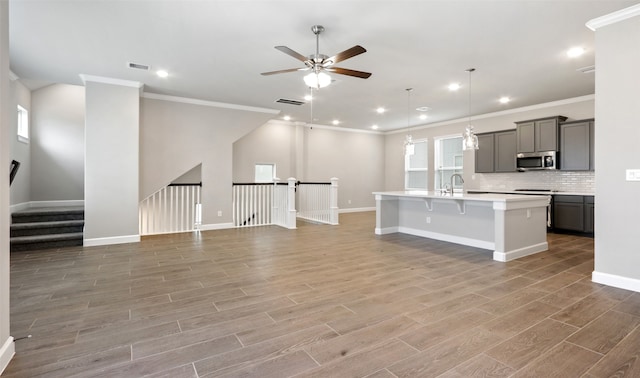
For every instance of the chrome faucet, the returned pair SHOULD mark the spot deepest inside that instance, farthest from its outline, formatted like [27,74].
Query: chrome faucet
[453,180]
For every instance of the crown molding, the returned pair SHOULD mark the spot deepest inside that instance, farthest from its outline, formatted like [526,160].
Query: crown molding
[325,127]
[545,105]
[614,17]
[109,80]
[214,104]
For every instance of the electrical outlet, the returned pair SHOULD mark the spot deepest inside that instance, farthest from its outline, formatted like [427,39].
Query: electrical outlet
[349,202]
[219,213]
[428,219]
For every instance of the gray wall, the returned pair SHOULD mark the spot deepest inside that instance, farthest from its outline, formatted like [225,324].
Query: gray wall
[175,137]
[6,341]
[574,109]
[617,136]
[111,157]
[20,151]
[57,143]
[316,154]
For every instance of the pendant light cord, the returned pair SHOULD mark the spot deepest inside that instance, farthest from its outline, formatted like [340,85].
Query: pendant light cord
[408,110]
[469,70]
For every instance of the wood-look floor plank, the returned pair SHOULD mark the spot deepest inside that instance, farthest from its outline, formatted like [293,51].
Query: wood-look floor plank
[316,301]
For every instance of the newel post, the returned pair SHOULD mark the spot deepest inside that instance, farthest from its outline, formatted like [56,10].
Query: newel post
[274,202]
[291,203]
[333,204]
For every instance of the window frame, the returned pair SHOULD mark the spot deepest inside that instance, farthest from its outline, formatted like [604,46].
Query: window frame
[22,131]
[408,169]
[255,173]
[438,159]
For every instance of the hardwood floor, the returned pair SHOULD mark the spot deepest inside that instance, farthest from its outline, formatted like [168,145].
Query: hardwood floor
[319,301]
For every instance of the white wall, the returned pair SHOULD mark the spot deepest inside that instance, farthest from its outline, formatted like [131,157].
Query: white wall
[316,154]
[176,136]
[574,109]
[57,143]
[20,151]
[112,164]
[617,135]
[6,341]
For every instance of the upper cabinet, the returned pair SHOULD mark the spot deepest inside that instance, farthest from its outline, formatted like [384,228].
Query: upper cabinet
[576,145]
[538,134]
[496,152]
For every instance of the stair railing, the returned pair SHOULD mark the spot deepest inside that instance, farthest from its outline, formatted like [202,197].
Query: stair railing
[174,208]
[15,165]
[318,201]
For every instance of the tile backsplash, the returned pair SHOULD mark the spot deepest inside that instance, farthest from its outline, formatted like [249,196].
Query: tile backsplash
[566,181]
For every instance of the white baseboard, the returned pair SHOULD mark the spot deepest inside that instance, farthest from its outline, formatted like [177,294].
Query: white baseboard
[111,240]
[6,353]
[32,204]
[216,226]
[621,282]
[521,252]
[357,210]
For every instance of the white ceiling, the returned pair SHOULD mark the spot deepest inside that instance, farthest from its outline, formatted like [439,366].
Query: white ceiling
[216,50]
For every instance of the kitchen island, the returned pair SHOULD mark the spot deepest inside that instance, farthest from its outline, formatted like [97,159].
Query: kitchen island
[511,225]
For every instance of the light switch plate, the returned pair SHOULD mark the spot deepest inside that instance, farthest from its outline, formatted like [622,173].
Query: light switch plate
[633,174]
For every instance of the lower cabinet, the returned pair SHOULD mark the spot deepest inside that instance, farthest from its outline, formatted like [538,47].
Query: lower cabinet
[573,213]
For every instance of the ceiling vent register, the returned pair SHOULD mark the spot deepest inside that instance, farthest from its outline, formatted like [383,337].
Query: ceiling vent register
[289,102]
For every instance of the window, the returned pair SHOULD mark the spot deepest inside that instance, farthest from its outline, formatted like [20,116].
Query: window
[448,160]
[265,172]
[415,167]
[23,124]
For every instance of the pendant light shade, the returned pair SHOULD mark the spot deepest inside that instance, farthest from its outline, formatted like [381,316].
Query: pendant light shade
[469,139]
[409,148]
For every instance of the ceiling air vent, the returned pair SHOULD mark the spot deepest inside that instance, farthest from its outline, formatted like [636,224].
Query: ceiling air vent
[138,66]
[289,102]
[587,69]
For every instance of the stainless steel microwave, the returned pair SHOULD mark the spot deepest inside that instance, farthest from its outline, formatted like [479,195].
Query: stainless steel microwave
[530,161]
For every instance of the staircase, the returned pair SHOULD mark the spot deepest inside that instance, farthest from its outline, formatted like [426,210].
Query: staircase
[45,228]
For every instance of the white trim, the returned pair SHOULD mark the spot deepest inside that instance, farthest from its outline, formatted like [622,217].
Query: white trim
[334,128]
[501,113]
[108,80]
[31,204]
[614,17]
[216,226]
[616,281]
[112,240]
[213,104]
[448,238]
[520,252]
[13,76]
[7,352]
[386,230]
[356,210]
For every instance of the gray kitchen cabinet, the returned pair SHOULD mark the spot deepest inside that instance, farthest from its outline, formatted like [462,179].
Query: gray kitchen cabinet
[576,145]
[538,134]
[496,152]
[484,153]
[573,213]
[505,151]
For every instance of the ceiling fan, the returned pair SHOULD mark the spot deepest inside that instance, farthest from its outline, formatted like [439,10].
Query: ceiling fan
[319,63]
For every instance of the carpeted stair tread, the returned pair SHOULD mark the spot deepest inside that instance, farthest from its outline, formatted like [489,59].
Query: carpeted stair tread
[44,238]
[63,223]
[47,214]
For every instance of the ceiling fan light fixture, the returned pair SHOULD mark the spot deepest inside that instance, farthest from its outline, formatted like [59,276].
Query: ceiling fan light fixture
[317,80]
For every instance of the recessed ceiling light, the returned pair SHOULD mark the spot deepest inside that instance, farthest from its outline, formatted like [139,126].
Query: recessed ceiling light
[335,122]
[308,97]
[454,86]
[504,100]
[375,127]
[287,118]
[575,52]
[423,116]
[162,73]
[423,109]
[380,110]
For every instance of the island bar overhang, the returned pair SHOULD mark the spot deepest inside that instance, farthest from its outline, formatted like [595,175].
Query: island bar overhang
[510,225]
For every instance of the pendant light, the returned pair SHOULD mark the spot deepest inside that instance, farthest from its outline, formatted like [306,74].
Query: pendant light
[469,139]
[409,147]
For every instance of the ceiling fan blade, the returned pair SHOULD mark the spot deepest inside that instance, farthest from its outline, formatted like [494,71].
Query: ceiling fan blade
[346,71]
[346,54]
[283,71]
[292,53]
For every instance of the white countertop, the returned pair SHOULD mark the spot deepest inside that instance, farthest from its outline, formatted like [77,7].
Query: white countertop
[489,197]
[553,192]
